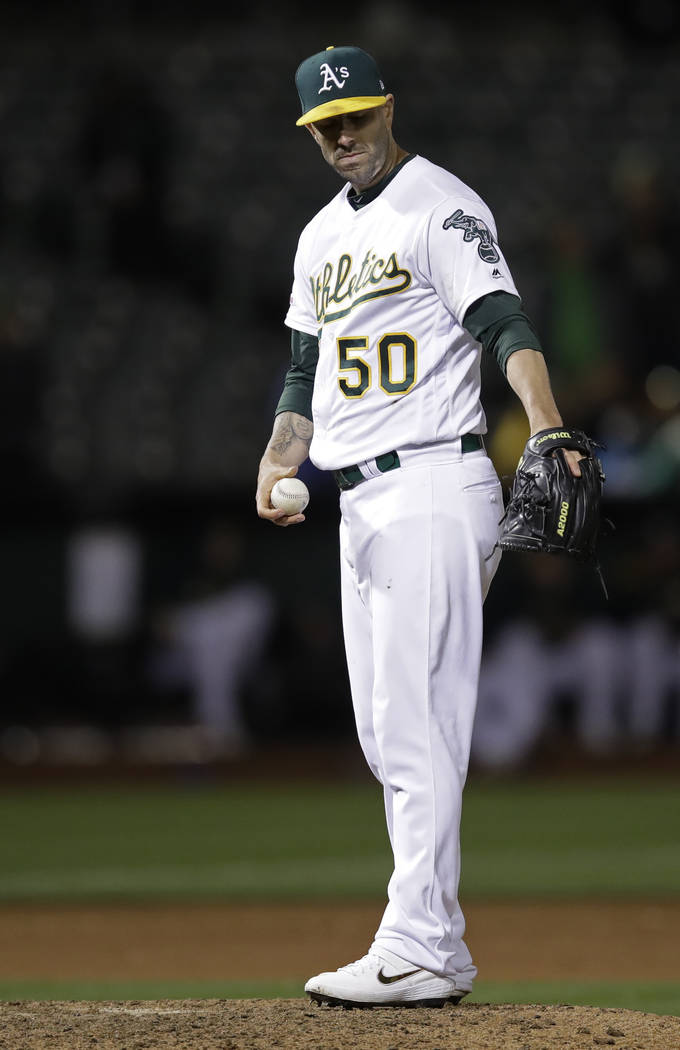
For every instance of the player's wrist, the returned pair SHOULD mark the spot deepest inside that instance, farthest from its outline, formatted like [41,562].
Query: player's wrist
[548,421]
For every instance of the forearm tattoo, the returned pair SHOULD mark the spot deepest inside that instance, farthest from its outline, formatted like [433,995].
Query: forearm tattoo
[290,427]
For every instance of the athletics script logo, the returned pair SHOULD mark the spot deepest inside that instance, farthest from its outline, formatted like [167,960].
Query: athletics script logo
[474,227]
[339,287]
[330,79]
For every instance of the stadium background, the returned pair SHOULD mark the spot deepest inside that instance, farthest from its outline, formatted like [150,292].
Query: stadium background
[152,187]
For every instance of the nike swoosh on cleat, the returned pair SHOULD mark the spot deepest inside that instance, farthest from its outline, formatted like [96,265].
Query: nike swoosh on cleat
[397,977]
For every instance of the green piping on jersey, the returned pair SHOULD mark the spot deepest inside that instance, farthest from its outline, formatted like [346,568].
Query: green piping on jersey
[498,322]
[299,383]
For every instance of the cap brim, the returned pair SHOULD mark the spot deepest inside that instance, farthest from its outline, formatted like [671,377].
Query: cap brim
[340,105]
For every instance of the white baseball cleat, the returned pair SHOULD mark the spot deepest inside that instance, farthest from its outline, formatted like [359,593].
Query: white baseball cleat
[383,979]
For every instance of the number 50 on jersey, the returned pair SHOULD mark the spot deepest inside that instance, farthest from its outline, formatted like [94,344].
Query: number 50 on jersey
[397,364]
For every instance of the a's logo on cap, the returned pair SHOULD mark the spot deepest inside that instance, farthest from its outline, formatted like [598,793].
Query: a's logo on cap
[330,78]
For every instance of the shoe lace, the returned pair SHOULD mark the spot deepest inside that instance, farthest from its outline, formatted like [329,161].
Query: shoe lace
[367,962]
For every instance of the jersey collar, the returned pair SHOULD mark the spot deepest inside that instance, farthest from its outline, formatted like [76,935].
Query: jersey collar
[359,200]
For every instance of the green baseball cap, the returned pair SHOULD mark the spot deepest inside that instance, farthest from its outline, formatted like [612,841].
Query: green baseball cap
[338,80]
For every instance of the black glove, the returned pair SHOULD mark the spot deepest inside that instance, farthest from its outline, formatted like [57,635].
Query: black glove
[549,509]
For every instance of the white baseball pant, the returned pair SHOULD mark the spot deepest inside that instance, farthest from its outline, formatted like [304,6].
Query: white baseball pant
[417,550]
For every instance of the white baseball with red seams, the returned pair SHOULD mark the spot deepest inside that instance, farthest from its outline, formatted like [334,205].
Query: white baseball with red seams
[290,495]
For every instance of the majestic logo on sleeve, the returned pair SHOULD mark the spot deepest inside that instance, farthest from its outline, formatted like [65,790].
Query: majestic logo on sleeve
[474,228]
[330,78]
[340,287]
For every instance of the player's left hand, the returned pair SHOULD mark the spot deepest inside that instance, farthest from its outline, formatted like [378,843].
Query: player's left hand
[572,457]
[554,501]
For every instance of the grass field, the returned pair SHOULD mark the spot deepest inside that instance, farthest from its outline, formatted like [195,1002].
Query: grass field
[658,997]
[617,837]
[287,841]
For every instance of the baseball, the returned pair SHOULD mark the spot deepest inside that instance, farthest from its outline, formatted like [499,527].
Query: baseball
[291,495]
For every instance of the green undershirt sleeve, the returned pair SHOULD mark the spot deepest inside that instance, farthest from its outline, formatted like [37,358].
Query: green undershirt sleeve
[299,382]
[499,323]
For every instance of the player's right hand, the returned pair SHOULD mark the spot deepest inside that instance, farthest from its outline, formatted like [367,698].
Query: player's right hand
[265,483]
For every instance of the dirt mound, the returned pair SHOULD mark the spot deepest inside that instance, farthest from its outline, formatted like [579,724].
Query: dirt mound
[295,1024]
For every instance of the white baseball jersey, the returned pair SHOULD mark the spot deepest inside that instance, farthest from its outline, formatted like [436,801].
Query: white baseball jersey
[386,287]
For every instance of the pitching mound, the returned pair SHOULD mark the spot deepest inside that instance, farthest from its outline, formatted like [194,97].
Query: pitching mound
[295,1024]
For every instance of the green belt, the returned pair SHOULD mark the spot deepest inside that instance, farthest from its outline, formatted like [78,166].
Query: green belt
[349,477]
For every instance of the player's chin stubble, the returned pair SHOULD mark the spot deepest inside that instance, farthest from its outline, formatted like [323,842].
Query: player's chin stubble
[360,168]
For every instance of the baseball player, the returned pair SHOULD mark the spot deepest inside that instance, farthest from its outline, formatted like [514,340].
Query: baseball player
[399,282]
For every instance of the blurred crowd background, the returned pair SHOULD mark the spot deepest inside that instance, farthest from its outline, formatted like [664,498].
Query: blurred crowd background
[152,189]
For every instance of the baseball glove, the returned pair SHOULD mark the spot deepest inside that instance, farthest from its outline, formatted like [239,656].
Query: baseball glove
[550,510]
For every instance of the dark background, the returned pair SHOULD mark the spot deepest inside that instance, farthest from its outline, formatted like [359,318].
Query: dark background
[152,189]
